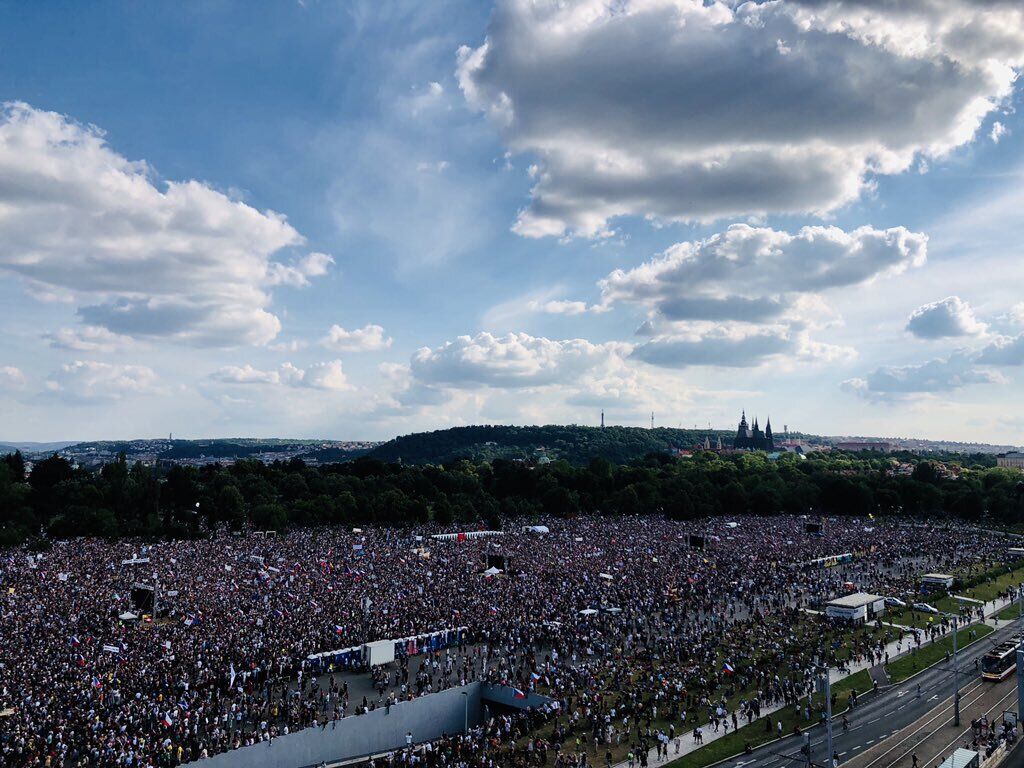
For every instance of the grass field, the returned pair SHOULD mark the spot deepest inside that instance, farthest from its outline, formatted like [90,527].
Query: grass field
[914,662]
[760,731]
[1009,613]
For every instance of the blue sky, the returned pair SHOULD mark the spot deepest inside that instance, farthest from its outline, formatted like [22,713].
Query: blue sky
[361,219]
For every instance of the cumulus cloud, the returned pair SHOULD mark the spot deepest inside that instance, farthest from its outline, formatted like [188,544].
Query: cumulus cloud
[139,257]
[510,361]
[749,294]
[941,375]
[87,338]
[693,110]
[366,339]
[327,375]
[1005,350]
[948,317]
[91,381]
[754,273]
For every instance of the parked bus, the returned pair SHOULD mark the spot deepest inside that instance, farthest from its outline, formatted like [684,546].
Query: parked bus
[1001,661]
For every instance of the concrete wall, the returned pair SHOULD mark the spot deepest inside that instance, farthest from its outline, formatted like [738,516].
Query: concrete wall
[427,717]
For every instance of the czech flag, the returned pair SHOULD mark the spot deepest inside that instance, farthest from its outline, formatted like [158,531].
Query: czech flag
[535,676]
[96,683]
[338,629]
[728,668]
[517,694]
[493,611]
[74,641]
[167,720]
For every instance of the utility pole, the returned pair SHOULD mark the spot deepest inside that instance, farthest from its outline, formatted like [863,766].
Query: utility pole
[1020,659]
[956,674]
[828,717]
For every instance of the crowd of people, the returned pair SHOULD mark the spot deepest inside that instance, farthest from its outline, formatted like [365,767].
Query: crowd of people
[638,637]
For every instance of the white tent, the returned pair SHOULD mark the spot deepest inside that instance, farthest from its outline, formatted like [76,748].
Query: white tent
[588,612]
[492,571]
[537,529]
[606,576]
[128,616]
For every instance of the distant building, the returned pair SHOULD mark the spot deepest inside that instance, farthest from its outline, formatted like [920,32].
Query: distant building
[1013,460]
[752,438]
[865,445]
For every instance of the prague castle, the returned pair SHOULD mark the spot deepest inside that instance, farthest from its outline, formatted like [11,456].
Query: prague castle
[752,438]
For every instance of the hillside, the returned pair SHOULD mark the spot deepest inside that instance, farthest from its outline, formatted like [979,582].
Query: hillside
[574,444]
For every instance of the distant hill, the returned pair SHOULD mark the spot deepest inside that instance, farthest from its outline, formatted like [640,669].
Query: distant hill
[574,444]
[10,446]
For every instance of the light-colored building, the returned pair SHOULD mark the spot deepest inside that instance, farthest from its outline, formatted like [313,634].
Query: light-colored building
[1014,460]
[932,582]
[858,608]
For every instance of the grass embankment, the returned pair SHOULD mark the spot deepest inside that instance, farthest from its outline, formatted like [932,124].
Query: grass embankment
[766,728]
[997,581]
[1009,613]
[922,658]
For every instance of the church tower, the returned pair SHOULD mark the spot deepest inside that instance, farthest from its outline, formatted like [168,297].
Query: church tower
[768,439]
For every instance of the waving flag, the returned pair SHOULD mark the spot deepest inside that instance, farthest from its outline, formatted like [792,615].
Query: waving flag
[74,641]
[534,676]
[728,668]
[167,720]
[518,694]
[338,629]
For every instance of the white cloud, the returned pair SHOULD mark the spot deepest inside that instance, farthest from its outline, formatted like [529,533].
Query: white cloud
[11,378]
[327,375]
[997,132]
[366,339]
[141,258]
[91,381]
[1005,350]
[755,273]
[942,375]
[510,361]
[749,294]
[948,317]
[558,307]
[732,108]
[87,338]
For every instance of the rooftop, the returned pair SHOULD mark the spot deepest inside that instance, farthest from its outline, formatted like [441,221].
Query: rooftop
[856,600]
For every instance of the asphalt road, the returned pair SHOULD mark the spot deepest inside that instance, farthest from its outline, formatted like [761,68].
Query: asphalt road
[879,716]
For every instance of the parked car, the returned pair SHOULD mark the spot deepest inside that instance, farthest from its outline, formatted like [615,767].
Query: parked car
[895,602]
[925,608]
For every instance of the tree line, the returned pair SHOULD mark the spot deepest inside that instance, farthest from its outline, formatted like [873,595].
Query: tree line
[58,500]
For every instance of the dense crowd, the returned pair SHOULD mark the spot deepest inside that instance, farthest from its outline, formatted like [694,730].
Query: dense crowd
[638,637]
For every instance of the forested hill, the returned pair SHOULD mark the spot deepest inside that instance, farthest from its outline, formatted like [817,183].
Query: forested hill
[574,444]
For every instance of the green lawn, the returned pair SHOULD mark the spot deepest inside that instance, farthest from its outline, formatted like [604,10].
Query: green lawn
[757,733]
[914,662]
[990,589]
[1009,613]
